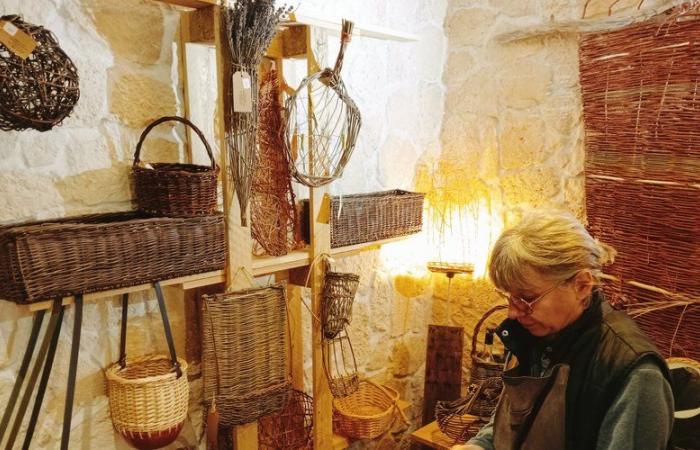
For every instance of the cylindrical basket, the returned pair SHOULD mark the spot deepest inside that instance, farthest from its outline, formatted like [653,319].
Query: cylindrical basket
[245,353]
[289,428]
[175,189]
[147,400]
[338,295]
[340,365]
[367,413]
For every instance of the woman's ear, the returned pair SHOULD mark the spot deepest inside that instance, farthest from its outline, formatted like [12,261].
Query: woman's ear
[583,284]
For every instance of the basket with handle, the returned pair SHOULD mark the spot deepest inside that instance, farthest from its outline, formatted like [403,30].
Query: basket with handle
[148,395]
[486,367]
[174,189]
[367,413]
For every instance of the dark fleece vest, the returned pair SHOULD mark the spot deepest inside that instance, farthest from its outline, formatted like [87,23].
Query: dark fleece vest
[602,347]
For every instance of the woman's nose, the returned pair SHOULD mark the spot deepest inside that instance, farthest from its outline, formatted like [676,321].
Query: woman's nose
[514,312]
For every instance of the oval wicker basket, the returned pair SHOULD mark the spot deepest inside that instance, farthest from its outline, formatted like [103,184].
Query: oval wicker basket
[367,413]
[175,189]
[147,400]
[483,369]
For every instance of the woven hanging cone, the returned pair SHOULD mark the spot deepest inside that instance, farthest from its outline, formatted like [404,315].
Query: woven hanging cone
[338,296]
[148,401]
[289,428]
[175,189]
[272,210]
[367,413]
[323,123]
[340,364]
[244,353]
[642,171]
[38,92]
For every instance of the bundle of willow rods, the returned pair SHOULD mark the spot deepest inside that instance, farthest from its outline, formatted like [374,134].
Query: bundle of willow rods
[250,27]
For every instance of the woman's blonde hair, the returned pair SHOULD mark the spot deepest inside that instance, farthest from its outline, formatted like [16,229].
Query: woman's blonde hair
[553,243]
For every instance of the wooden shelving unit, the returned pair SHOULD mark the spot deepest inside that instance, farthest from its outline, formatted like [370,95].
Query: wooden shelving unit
[202,23]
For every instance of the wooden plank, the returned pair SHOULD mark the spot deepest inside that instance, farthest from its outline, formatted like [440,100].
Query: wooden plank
[431,436]
[443,367]
[359,30]
[240,246]
[196,4]
[46,304]
[200,24]
[264,265]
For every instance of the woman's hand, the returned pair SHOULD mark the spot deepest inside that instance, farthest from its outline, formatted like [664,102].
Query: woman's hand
[466,447]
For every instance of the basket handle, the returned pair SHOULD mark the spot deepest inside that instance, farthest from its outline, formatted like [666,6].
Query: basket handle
[166,326]
[395,397]
[155,123]
[477,328]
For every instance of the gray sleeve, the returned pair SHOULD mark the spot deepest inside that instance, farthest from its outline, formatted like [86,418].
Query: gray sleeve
[641,416]
[484,437]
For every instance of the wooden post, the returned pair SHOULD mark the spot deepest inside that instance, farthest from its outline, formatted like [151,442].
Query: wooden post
[239,267]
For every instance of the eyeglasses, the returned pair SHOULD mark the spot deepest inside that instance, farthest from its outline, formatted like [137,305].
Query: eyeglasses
[528,305]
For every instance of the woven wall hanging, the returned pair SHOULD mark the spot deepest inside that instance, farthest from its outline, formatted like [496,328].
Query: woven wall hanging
[38,81]
[323,123]
[642,119]
[273,212]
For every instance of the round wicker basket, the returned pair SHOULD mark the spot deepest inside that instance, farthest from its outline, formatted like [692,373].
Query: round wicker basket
[147,400]
[367,413]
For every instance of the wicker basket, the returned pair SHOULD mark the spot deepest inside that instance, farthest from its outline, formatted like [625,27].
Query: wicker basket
[370,217]
[453,417]
[291,427]
[147,400]
[245,353]
[367,413]
[174,189]
[76,255]
[340,365]
[482,368]
[338,296]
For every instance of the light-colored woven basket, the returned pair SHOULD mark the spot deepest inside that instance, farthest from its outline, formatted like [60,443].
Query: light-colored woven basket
[146,396]
[367,413]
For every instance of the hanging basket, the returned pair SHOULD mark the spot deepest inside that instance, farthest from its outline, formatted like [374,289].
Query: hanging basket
[148,395]
[367,413]
[338,296]
[340,365]
[175,189]
[40,91]
[291,427]
[244,353]
[483,368]
[148,400]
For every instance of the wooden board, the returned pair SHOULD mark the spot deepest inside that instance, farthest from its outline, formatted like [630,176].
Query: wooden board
[431,436]
[443,367]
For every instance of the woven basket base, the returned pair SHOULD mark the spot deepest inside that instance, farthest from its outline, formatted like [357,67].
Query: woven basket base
[153,440]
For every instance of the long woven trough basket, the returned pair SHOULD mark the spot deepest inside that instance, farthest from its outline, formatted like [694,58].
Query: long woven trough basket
[43,260]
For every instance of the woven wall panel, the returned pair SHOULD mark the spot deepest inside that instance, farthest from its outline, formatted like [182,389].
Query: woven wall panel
[641,99]
[655,229]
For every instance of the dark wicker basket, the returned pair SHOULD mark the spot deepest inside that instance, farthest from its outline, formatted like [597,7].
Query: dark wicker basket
[371,217]
[338,296]
[483,368]
[75,255]
[453,416]
[40,91]
[289,428]
[175,189]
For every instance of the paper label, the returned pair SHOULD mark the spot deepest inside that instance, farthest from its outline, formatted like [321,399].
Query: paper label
[16,40]
[242,92]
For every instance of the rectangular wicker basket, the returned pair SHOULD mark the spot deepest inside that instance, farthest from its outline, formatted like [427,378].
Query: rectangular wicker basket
[360,218]
[42,260]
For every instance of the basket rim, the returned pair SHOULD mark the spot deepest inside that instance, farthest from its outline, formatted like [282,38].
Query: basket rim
[112,372]
[183,169]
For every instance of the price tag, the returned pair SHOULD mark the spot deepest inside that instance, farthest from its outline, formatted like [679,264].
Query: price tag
[242,92]
[16,40]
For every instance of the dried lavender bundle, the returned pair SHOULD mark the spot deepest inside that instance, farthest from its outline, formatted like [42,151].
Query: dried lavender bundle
[250,27]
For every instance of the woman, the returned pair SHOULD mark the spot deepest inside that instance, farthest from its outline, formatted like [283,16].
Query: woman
[587,377]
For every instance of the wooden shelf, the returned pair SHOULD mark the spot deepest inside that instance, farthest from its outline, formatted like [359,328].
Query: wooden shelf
[431,436]
[342,442]
[194,4]
[358,30]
